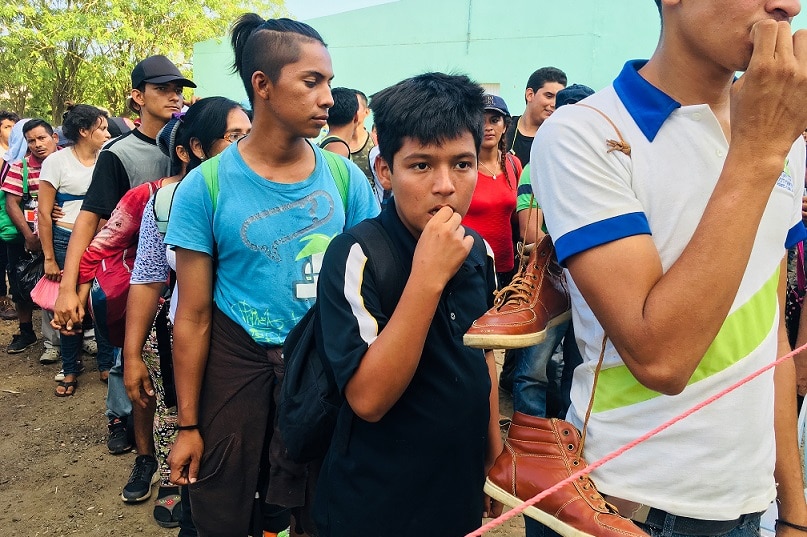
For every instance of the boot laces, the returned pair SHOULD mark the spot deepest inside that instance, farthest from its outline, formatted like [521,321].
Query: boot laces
[518,291]
[586,483]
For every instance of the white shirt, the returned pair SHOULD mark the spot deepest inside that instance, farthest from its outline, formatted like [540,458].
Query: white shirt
[69,177]
[718,463]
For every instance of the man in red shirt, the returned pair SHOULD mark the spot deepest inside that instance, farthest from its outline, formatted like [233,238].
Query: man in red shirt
[21,208]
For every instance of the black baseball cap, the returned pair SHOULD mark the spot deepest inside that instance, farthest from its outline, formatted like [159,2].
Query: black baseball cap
[158,70]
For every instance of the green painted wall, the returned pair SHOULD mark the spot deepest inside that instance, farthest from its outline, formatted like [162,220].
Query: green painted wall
[495,42]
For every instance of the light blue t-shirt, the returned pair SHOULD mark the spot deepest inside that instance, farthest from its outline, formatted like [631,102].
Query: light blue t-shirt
[269,238]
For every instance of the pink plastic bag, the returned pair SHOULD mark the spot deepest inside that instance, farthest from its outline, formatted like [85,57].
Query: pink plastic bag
[44,293]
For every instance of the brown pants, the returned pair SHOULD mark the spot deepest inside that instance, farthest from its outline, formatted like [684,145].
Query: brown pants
[243,450]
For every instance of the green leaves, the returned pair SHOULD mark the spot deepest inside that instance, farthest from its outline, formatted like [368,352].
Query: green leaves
[52,51]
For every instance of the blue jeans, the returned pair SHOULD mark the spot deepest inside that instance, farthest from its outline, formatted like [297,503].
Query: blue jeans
[70,345]
[533,528]
[530,379]
[530,388]
[749,528]
[117,402]
[560,385]
[106,352]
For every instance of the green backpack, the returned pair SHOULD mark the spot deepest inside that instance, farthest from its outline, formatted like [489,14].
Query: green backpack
[210,171]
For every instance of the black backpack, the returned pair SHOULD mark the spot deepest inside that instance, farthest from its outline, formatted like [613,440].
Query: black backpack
[310,402]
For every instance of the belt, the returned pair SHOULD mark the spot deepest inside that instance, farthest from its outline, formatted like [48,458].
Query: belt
[644,514]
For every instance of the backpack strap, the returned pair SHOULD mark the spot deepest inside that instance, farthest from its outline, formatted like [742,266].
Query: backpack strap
[512,165]
[163,200]
[24,176]
[340,173]
[384,261]
[386,267]
[613,145]
[512,149]
[333,139]
[4,167]
[517,168]
[479,251]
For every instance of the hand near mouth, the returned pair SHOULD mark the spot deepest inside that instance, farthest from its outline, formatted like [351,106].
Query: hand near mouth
[442,247]
[767,112]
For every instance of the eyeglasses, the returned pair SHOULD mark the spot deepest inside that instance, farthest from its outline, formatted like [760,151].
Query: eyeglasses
[233,137]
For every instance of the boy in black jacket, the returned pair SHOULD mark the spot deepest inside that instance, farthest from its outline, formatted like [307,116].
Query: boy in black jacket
[424,423]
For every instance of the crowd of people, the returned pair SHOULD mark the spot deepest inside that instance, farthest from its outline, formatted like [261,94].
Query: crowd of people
[596,236]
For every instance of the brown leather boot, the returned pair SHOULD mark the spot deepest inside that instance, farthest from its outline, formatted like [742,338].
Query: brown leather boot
[540,453]
[536,299]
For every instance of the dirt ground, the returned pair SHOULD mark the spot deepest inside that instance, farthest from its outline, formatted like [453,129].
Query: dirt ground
[56,475]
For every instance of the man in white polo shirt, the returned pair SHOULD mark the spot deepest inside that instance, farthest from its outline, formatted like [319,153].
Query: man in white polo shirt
[675,252]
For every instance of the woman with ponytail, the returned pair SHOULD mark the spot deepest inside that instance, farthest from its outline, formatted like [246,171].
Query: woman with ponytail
[247,263]
[64,181]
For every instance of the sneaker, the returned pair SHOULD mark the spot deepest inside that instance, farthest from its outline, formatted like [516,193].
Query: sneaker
[90,347]
[539,453]
[143,476]
[21,342]
[60,375]
[7,310]
[50,356]
[536,299]
[118,440]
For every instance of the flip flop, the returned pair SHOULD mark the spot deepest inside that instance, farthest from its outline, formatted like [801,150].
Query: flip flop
[168,511]
[60,375]
[66,386]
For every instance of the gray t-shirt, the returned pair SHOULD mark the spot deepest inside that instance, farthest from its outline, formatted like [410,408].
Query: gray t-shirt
[124,163]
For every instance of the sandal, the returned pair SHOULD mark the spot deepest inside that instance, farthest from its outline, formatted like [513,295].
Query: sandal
[68,387]
[60,375]
[168,511]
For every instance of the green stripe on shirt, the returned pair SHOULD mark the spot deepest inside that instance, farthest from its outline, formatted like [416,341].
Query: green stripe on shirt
[741,333]
[523,199]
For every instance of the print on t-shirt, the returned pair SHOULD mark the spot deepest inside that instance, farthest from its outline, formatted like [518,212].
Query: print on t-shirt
[269,232]
[315,246]
[785,180]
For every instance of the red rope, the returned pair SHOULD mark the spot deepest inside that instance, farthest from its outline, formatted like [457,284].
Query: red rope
[614,454]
